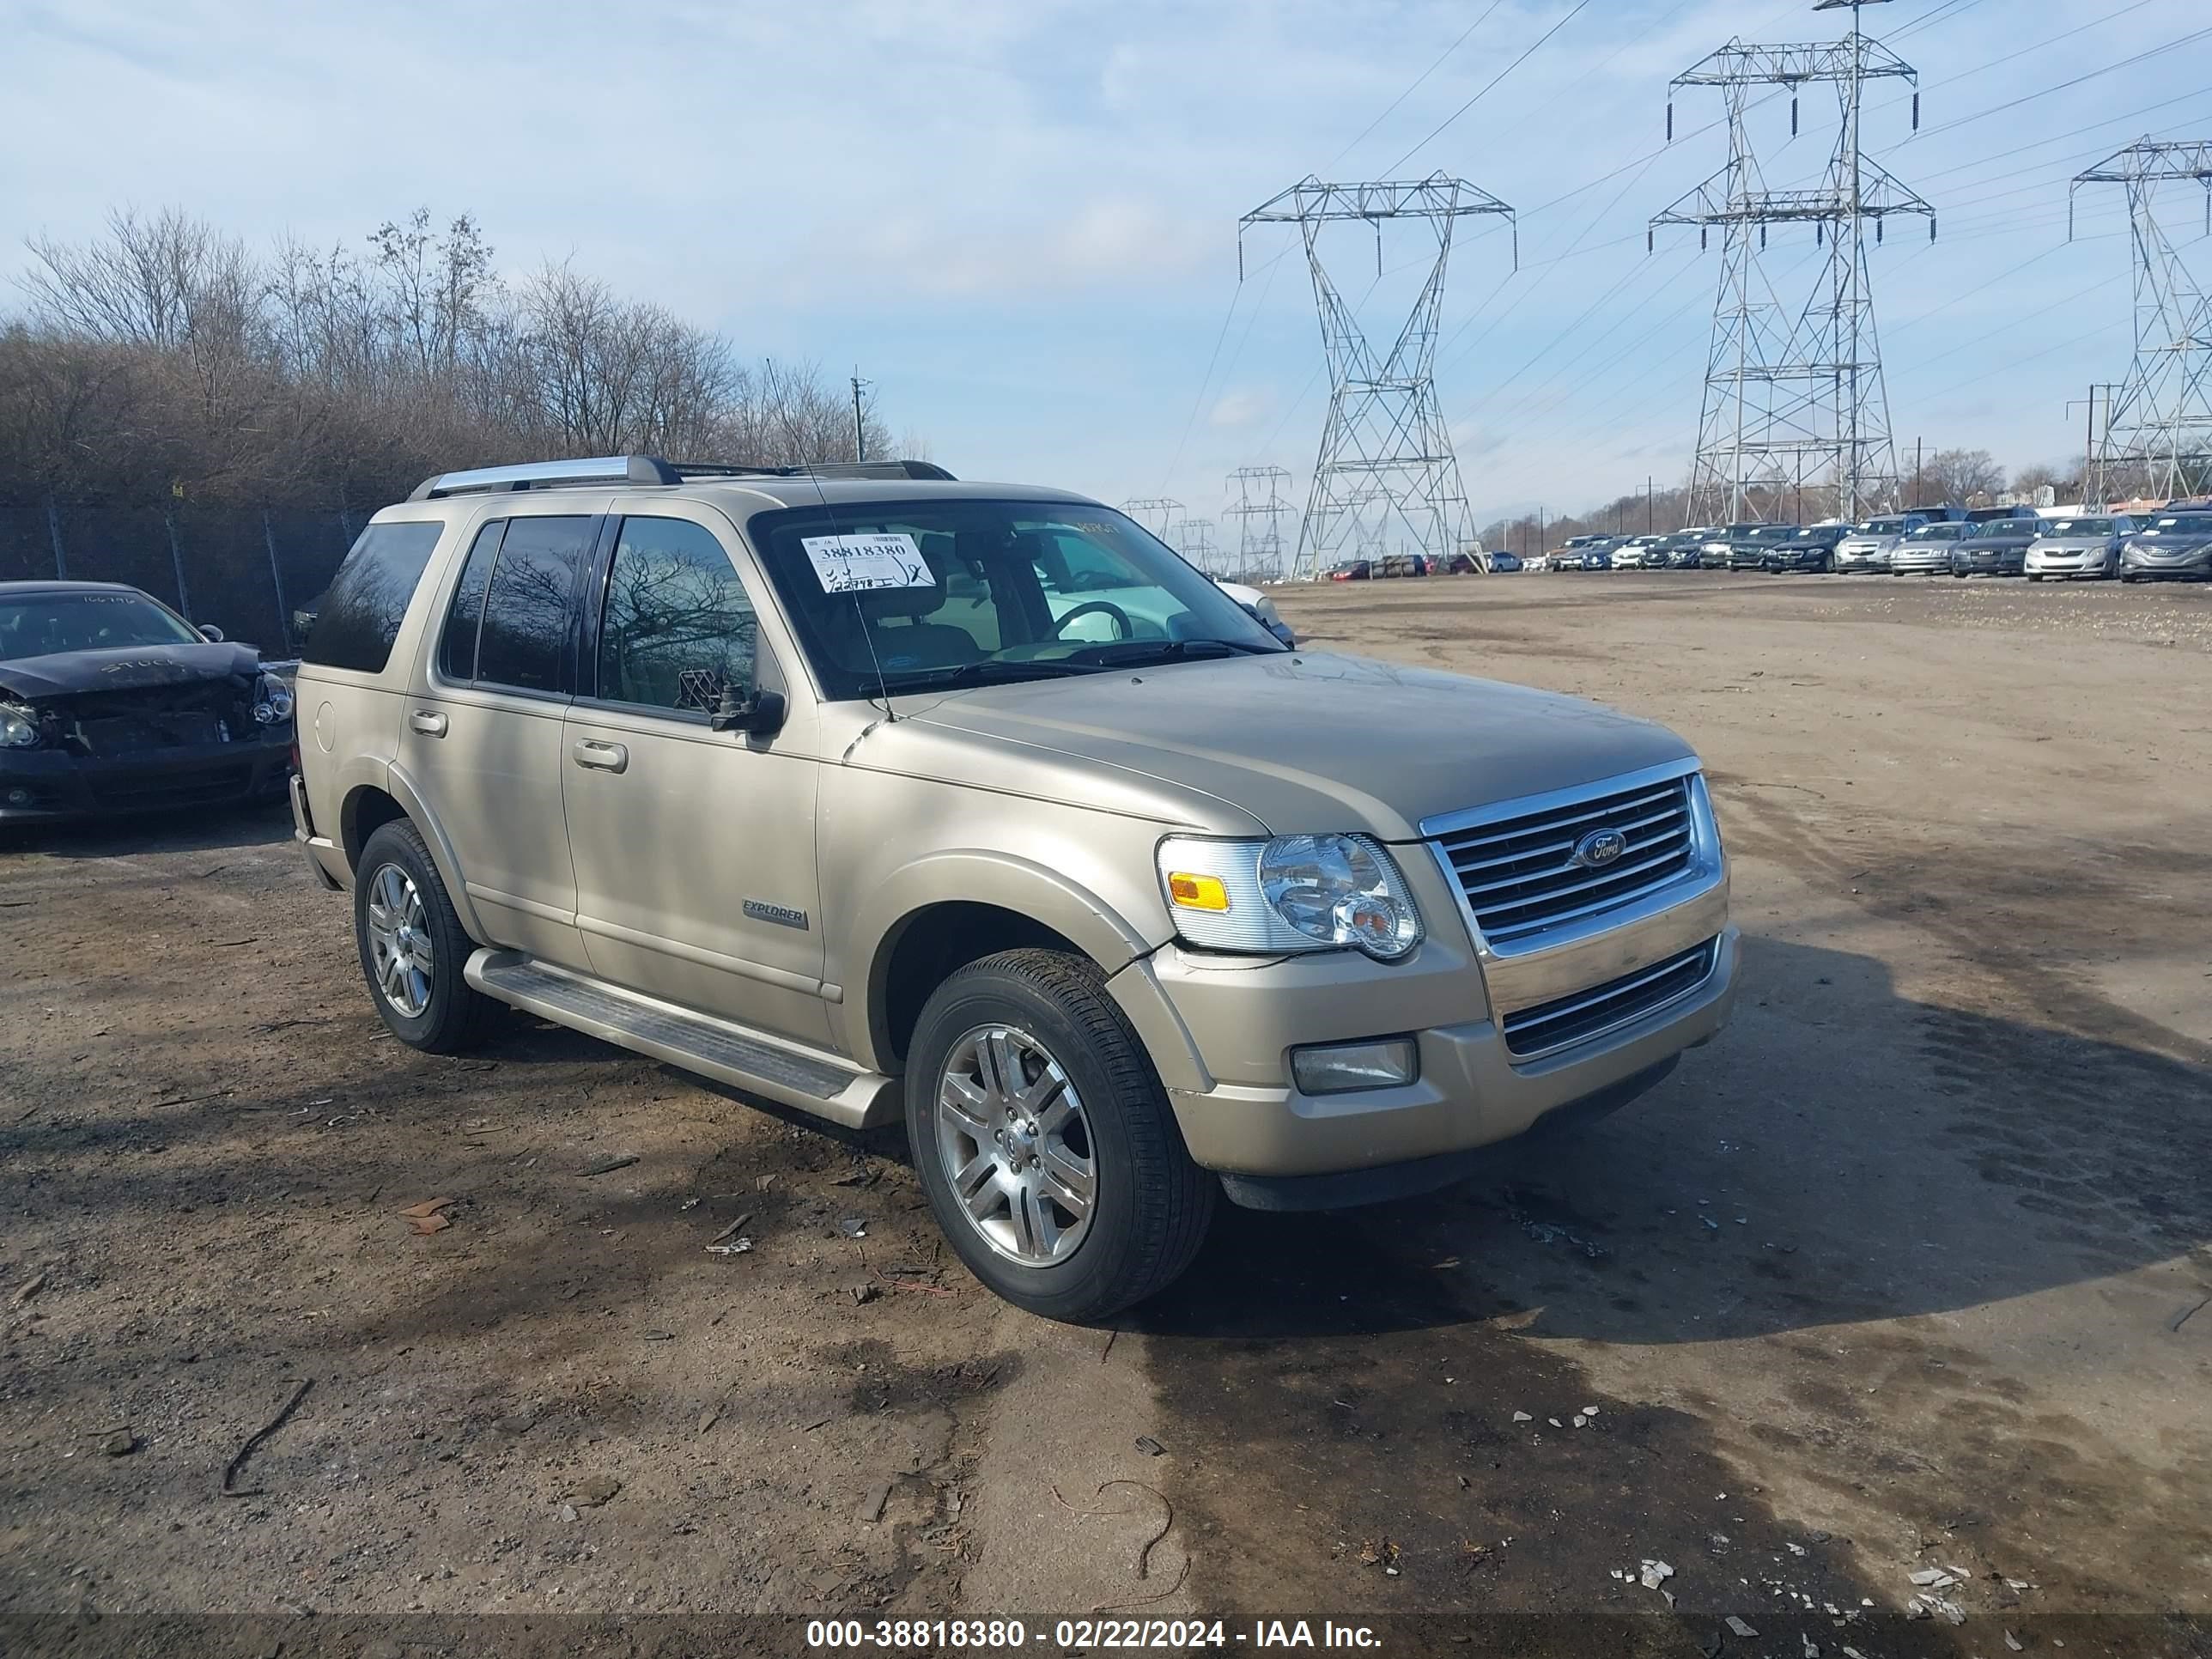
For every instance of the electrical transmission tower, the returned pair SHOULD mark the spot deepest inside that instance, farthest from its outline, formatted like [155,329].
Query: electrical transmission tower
[1384,430]
[1260,512]
[2158,428]
[1794,393]
[1157,514]
[1193,539]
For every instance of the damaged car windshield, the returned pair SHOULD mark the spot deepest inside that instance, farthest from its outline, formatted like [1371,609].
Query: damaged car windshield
[49,624]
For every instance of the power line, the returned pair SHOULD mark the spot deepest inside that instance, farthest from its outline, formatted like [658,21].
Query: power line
[1435,131]
[1414,86]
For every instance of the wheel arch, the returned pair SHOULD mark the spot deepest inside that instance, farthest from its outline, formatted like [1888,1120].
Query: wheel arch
[370,805]
[941,913]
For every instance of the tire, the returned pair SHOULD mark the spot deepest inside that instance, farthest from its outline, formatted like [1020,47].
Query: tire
[1828,565]
[2034,576]
[1149,1205]
[453,1013]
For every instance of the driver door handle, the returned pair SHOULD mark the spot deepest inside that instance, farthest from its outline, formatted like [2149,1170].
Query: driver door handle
[430,723]
[601,756]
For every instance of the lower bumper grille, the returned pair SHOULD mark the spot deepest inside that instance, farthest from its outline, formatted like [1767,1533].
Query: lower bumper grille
[1586,1013]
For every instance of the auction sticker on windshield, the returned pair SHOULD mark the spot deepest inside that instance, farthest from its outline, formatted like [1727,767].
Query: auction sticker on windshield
[861,564]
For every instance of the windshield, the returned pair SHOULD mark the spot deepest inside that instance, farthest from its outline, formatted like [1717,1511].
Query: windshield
[2199,524]
[1883,527]
[2012,527]
[46,625]
[1774,532]
[2079,527]
[1941,533]
[908,595]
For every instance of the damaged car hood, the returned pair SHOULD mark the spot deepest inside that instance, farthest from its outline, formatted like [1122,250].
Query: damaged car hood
[1315,742]
[129,668]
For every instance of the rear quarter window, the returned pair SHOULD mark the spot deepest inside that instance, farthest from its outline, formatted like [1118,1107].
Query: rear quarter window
[359,617]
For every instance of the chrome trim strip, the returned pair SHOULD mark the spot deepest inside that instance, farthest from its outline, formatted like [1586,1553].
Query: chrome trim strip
[1520,806]
[1662,845]
[1711,951]
[1463,842]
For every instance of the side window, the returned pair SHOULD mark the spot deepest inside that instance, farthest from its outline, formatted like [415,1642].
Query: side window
[524,642]
[359,617]
[677,626]
[457,647]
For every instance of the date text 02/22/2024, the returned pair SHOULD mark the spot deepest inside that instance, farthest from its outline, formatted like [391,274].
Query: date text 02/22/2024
[1085,1634]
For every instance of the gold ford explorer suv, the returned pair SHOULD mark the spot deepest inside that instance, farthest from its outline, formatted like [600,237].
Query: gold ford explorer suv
[873,793]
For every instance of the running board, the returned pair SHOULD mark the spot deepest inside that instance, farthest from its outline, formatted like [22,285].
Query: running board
[729,1053]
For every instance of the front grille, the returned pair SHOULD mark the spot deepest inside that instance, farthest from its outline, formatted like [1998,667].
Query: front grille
[1570,1019]
[194,788]
[1518,877]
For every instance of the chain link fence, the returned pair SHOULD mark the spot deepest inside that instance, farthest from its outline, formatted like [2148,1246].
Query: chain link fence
[246,569]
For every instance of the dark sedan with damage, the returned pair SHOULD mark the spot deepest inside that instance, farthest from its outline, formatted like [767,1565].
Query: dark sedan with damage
[112,703]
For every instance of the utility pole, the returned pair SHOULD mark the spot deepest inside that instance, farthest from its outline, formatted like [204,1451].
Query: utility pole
[859,429]
[1647,525]
[1385,430]
[2157,430]
[1916,486]
[1787,385]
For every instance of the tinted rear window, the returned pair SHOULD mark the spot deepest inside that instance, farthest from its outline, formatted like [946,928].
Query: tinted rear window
[359,618]
[525,638]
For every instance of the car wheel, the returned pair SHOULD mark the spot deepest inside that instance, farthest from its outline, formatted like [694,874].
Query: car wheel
[2124,578]
[413,947]
[1045,1141]
[1828,565]
[2033,577]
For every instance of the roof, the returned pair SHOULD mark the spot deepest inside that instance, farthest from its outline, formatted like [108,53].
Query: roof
[741,498]
[24,590]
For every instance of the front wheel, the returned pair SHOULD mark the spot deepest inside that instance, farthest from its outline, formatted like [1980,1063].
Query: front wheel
[2033,577]
[1045,1141]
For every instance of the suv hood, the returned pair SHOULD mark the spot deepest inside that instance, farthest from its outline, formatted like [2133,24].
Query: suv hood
[130,668]
[1315,742]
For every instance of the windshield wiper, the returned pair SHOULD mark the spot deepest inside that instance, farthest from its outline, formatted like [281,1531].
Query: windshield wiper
[1129,653]
[991,671]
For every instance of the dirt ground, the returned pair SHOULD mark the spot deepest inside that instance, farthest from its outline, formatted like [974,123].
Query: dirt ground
[1910,1271]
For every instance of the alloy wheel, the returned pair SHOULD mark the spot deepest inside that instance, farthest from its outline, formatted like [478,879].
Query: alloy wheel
[1015,1145]
[400,947]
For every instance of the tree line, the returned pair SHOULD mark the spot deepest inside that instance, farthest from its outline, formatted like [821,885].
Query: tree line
[1966,477]
[166,359]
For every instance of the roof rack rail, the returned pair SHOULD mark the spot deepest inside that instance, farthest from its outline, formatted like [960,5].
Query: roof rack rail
[606,470]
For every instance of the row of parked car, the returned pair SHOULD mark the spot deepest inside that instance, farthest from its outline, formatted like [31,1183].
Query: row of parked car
[2173,544]
[1417,564]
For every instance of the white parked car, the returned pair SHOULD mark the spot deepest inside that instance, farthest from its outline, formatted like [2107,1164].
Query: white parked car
[1260,607]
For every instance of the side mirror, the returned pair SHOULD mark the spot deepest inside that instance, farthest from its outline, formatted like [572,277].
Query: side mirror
[211,632]
[756,713]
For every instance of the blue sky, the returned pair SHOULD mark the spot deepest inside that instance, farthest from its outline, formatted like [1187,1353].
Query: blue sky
[1018,216]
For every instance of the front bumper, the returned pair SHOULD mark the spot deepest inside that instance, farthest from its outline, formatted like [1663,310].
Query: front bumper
[1919,564]
[50,785]
[2084,561]
[1239,1018]
[2191,568]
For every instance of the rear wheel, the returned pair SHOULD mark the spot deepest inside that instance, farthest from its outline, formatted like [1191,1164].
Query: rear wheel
[412,945]
[2034,576]
[1045,1141]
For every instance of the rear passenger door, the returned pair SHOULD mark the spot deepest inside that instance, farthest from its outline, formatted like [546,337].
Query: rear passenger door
[693,848]
[481,734]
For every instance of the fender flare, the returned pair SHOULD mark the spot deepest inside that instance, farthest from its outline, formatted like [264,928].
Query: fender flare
[975,876]
[392,778]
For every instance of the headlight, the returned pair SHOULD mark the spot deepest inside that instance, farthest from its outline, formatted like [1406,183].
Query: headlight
[1293,893]
[18,728]
[272,701]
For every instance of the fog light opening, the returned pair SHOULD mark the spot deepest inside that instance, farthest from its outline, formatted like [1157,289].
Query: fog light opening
[1340,1067]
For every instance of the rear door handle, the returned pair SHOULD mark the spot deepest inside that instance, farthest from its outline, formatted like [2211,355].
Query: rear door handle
[429,724]
[602,757]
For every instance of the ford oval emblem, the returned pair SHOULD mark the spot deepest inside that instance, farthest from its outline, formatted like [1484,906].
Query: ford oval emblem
[1598,848]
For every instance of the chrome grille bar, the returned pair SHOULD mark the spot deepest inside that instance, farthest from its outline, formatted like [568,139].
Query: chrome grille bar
[1517,875]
